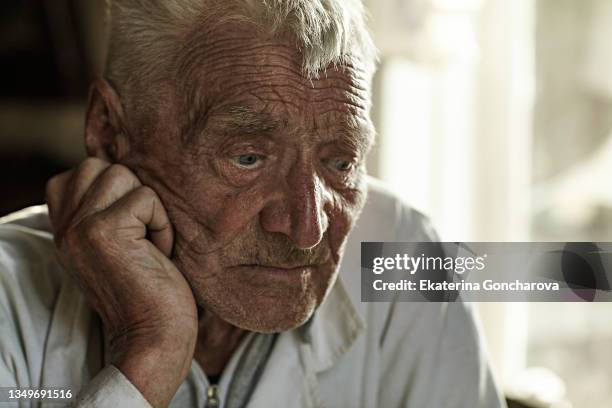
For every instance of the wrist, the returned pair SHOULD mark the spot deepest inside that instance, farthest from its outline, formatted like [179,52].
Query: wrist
[155,365]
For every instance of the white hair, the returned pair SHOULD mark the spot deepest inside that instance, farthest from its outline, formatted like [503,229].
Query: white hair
[145,34]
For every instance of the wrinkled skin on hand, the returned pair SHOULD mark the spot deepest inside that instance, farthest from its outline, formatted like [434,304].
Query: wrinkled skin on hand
[114,235]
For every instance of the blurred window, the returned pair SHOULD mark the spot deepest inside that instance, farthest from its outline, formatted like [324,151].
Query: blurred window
[508,137]
[572,197]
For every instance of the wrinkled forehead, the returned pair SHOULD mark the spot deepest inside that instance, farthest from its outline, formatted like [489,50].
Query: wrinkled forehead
[239,66]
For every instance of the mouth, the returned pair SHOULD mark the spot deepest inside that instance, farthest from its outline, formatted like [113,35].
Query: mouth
[265,275]
[278,268]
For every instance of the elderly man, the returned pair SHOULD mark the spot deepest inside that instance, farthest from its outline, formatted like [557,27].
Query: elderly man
[202,247]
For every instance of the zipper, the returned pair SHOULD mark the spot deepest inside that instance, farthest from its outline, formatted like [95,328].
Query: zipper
[212,397]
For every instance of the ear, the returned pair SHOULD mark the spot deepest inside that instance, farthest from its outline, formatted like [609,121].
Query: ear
[105,135]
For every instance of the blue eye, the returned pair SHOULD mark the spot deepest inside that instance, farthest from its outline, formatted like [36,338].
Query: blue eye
[247,160]
[342,165]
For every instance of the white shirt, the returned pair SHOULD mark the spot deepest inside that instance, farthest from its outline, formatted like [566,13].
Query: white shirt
[391,354]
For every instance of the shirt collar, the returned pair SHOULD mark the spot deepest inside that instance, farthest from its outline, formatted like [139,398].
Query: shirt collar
[333,329]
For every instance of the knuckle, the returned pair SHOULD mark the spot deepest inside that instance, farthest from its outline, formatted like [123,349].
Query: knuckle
[119,171]
[92,230]
[90,164]
[78,239]
[53,195]
[146,192]
[50,187]
[54,184]
[120,174]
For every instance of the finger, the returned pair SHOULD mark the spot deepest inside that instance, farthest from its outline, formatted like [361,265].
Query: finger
[115,182]
[142,211]
[64,191]
[55,191]
[84,177]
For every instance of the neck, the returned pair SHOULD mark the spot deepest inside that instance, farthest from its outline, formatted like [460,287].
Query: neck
[217,341]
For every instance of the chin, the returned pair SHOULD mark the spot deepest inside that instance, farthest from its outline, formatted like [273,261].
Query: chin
[263,302]
[277,317]
[262,313]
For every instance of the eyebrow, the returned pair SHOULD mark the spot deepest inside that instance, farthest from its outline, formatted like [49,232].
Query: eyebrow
[238,118]
[358,136]
[241,119]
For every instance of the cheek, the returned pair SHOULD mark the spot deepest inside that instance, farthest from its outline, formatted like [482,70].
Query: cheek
[339,227]
[210,216]
[200,203]
[343,213]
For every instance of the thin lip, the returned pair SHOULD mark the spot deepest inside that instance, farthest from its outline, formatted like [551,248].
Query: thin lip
[278,267]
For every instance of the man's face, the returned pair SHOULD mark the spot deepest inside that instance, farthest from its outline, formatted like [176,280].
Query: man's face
[261,172]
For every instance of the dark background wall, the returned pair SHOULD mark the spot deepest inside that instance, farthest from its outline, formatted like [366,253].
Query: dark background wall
[49,52]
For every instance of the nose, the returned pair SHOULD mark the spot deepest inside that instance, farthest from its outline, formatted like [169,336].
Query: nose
[299,212]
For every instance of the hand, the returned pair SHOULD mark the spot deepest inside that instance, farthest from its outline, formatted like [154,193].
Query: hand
[114,236]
